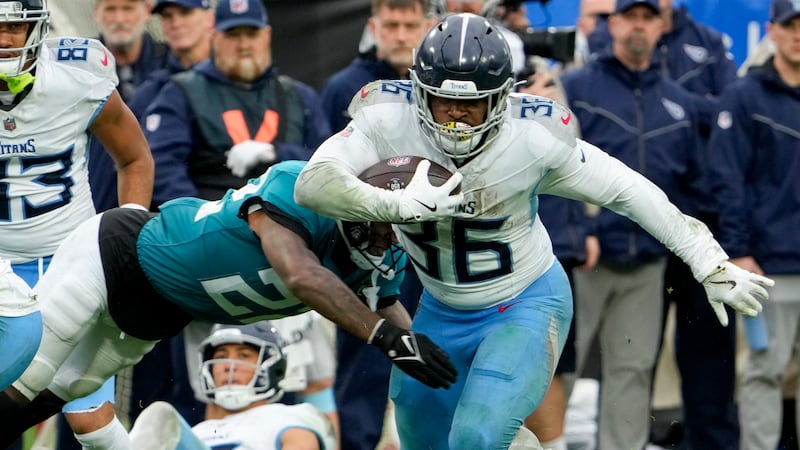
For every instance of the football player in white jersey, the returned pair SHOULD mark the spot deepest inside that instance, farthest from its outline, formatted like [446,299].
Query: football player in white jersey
[53,94]
[495,297]
[242,368]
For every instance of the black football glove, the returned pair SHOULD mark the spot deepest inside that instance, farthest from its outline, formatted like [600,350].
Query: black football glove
[415,354]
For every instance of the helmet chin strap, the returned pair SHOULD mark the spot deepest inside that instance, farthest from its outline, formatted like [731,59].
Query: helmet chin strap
[18,83]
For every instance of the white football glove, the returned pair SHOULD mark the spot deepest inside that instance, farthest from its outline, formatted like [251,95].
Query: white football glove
[245,155]
[736,287]
[421,201]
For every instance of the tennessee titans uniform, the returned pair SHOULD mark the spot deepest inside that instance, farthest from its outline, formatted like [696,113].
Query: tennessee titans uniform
[495,297]
[197,256]
[44,188]
[261,428]
[43,159]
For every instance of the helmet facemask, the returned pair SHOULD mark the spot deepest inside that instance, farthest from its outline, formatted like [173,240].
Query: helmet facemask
[39,20]
[456,139]
[358,237]
[267,373]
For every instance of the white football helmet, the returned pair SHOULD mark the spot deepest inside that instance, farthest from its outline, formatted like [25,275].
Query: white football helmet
[269,371]
[35,13]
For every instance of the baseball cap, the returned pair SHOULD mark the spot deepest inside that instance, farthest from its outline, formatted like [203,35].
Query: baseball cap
[190,4]
[240,13]
[782,11]
[624,5]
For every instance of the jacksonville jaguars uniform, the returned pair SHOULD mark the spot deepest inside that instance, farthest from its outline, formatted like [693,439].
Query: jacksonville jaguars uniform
[495,297]
[44,188]
[149,274]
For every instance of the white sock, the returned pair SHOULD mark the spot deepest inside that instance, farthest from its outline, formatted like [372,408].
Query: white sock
[556,444]
[111,437]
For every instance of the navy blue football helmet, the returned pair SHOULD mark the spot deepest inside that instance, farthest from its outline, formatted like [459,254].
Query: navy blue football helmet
[269,372]
[462,57]
[36,13]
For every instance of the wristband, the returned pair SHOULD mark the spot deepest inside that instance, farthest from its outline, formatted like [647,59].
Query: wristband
[322,400]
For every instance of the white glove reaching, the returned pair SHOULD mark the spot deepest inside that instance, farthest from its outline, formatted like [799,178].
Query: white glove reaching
[421,201]
[245,155]
[736,287]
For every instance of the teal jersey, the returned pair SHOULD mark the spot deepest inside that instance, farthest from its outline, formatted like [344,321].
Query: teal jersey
[203,256]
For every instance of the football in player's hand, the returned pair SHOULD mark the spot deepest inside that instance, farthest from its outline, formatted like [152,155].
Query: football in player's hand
[395,173]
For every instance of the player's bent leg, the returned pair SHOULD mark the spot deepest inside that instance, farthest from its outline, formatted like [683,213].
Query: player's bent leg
[100,429]
[17,413]
[161,427]
[418,426]
[423,414]
[517,378]
[93,420]
[547,422]
[19,340]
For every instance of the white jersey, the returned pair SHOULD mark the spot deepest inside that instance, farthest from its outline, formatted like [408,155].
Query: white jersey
[309,355]
[495,246]
[16,297]
[44,189]
[260,428]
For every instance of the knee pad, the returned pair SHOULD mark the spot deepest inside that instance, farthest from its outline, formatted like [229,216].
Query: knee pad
[36,378]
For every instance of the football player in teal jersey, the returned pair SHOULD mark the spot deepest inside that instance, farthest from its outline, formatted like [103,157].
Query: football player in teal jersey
[127,278]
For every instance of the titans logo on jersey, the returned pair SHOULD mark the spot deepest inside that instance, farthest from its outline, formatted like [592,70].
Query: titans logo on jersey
[44,188]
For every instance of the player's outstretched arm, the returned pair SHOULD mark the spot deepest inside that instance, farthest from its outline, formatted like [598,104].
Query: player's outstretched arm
[319,288]
[118,130]
[594,176]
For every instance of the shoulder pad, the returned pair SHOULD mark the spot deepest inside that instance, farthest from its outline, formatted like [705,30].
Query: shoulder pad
[86,54]
[380,91]
[553,116]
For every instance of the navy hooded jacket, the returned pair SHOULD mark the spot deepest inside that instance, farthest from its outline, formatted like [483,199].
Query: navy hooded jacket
[755,170]
[648,122]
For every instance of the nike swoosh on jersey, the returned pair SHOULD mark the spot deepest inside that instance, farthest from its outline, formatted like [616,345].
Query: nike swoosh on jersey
[105,58]
[503,308]
[364,93]
[565,120]
[430,208]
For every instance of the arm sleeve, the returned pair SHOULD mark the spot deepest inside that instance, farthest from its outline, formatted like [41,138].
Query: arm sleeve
[333,168]
[607,182]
